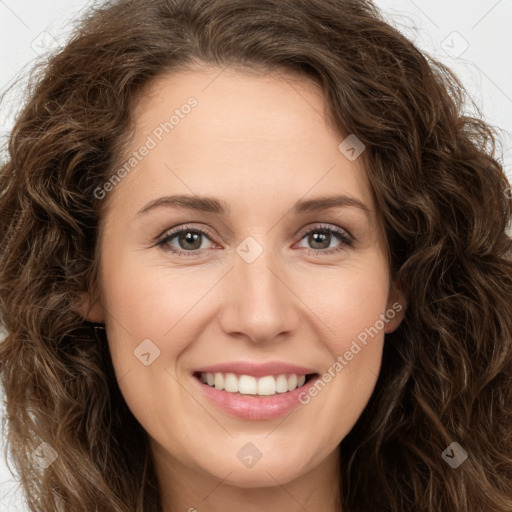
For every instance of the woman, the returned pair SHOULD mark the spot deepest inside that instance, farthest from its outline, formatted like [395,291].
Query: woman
[338,335]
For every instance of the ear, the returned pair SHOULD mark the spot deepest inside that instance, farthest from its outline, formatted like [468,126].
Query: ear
[395,309]
[90,306]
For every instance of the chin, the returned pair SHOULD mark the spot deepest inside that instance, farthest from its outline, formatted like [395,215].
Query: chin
[253,478]
[278,469]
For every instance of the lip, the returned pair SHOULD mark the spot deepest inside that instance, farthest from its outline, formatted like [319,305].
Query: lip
[249,407]
[256,369]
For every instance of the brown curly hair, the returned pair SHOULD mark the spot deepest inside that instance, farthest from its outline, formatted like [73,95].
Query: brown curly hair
[442,195]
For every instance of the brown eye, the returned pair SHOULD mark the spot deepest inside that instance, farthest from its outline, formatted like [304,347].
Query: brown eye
[188,241]
[320,238]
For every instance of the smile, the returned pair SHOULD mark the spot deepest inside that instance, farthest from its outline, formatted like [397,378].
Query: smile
[253,391]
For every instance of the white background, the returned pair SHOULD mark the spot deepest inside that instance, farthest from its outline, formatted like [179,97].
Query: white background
[473,37]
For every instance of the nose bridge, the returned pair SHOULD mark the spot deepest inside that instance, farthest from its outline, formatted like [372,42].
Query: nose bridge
[258,283]
[257,302]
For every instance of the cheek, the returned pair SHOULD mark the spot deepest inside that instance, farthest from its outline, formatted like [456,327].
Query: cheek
[164,306]
[153,302]
[348,301]
[351,305]
[357,314]
[147,317]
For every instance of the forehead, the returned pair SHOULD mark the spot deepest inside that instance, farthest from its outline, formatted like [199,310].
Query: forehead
[236,112]
[236,102]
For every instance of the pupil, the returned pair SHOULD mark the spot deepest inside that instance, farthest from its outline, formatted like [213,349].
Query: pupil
[318,237]
[190,238]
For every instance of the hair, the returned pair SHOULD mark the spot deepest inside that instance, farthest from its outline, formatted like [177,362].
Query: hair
[443,198]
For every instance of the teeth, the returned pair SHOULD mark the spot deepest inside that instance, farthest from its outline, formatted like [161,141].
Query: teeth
[282,384]
[267,386]
[249,385]
[231,383]
[219,381]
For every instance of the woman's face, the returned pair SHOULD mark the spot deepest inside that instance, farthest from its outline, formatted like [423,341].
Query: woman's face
[276,288]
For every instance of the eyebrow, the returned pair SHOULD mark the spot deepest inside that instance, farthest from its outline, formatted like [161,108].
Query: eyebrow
[219,207]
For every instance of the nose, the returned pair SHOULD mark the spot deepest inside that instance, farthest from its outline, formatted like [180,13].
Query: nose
[258,301]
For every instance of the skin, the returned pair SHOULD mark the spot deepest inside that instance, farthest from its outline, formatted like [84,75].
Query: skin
[288,305]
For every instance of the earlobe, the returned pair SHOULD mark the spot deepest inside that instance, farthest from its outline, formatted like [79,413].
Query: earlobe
[395,314]
[90,309]
[395,311]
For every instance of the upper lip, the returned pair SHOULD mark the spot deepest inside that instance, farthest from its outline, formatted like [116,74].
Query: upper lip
[256,369]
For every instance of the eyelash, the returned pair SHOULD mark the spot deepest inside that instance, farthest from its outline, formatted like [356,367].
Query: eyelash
[342,235]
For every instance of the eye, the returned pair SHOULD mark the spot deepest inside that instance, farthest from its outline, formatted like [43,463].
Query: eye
[189,241]
[320,239]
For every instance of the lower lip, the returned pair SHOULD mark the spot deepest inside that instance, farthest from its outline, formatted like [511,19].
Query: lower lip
[250,407]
